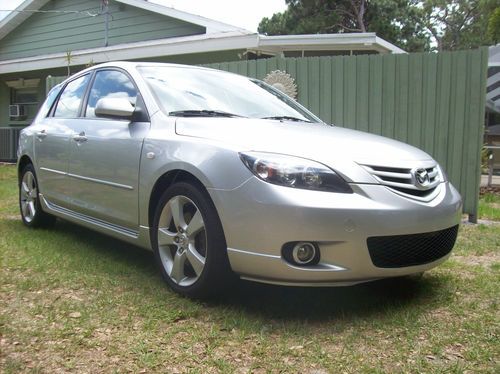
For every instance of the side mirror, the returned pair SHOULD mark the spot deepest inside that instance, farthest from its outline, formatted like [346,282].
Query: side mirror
[114,107]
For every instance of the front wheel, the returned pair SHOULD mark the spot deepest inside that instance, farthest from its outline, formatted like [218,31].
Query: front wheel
[29,200]
[188,242]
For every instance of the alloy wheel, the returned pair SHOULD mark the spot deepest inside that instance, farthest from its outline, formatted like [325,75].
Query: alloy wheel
[182,240]
[29,194]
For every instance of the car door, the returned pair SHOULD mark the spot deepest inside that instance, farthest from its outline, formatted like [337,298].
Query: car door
[105,154]
[52,133]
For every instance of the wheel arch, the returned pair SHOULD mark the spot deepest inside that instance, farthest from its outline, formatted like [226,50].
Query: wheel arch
[21,164]
[165,181]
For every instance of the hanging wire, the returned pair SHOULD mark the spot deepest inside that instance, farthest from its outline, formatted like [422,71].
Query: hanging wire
[104,5]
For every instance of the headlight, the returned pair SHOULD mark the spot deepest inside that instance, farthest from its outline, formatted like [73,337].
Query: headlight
[294,172]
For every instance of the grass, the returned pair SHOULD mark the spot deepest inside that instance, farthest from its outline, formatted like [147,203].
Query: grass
[489,206]
[72,300]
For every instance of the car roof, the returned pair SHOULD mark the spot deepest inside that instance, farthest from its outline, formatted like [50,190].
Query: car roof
[134,64]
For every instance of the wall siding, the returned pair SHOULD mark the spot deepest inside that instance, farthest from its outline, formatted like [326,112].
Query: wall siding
[45,33]
[432,101]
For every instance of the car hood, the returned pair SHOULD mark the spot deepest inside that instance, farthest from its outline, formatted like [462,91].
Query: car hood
[334,146]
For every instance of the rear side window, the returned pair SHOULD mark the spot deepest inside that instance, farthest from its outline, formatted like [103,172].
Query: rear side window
[109,84]
[69,102]
[51,97]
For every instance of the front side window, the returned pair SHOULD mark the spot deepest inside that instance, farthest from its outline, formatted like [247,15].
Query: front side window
[110,84]
[68,105]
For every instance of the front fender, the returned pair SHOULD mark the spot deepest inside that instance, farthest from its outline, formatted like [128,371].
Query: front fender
[214,165]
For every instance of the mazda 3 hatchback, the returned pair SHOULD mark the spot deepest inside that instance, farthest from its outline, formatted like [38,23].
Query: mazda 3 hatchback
[222,175]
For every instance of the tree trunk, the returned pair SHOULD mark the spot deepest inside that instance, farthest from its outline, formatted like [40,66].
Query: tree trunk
[361,16]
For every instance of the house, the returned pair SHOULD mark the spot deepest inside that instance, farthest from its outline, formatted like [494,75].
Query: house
[44,38]
[492,129]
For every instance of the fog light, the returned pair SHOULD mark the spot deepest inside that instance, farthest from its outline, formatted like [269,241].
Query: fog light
[304,253]
[301,253]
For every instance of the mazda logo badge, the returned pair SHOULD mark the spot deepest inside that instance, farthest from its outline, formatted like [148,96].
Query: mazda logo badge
[422,178]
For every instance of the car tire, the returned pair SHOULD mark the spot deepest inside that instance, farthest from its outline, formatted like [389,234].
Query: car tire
[30,207]
[188,242]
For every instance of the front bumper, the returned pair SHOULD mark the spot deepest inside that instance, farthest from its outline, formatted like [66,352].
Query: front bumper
[259,218]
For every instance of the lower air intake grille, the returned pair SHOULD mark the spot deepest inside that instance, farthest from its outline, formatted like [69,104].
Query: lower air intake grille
[410,250]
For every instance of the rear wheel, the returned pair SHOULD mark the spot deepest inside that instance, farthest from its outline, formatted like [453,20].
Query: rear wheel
[188,242]
[29,200]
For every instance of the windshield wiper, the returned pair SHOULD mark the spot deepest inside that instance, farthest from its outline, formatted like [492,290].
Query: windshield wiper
[202,113]
[287,118]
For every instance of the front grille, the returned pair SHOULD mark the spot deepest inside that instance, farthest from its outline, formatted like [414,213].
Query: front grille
[410,250]
[401,180]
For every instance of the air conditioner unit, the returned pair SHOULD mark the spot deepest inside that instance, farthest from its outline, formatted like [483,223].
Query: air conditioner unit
[16,110]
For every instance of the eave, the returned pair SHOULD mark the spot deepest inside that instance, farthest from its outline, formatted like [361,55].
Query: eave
[351,41]
[141,50]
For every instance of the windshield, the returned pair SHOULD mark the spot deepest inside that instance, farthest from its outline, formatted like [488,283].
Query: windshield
[186,92]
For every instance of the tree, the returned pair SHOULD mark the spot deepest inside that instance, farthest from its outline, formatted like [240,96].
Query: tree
[459,24]
[394,20]
[494,26]
[414,25]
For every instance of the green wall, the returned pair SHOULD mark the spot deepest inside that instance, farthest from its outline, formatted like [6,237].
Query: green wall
[435,102]
[44,33]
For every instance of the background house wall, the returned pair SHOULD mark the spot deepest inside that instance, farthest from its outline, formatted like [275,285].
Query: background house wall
[45,33]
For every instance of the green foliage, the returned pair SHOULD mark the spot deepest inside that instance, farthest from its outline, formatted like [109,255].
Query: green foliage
[413,25]
[489,207]
[485,155]
[398,21]
[458,24]
[494,26]
[302,17]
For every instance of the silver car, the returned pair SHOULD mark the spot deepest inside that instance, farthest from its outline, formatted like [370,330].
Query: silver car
[221,175]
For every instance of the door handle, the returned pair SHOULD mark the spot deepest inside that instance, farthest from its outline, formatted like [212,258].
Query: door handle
[80,137]
[42,134]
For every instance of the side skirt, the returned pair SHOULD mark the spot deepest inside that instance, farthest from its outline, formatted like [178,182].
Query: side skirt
[140,238]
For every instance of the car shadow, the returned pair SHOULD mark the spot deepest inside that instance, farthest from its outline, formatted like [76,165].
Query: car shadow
[280,303]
